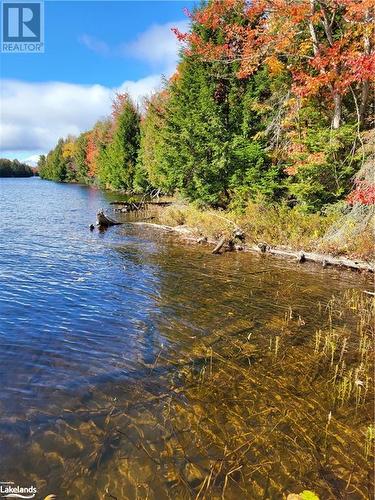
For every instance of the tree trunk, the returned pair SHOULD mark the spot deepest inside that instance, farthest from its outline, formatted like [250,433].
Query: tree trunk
[336,120]
[313,34]
[364,100]
[366,84]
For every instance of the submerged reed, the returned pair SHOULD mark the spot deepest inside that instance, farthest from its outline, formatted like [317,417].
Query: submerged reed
[369,440]
[348,350]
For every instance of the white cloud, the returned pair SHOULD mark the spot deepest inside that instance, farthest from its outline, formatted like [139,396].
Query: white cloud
[34,115]
[32,160]
[95,45]
[158,45]
[141,88]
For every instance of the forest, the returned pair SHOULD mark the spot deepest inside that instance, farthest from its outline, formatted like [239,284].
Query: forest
[14,168]
[272,104]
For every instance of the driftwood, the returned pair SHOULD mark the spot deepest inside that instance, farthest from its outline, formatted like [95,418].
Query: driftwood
[238,235]
[117,202]
[325,260]
[219,246]
[103,220]
[130,207]
[299,256]
[133,206]
[155,226]
[155,203]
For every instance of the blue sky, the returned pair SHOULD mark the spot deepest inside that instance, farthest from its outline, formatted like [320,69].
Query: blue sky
[92,49]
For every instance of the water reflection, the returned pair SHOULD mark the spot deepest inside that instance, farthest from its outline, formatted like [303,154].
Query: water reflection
[134,367]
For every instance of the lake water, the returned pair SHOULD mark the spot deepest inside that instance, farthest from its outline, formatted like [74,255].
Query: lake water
[110,345]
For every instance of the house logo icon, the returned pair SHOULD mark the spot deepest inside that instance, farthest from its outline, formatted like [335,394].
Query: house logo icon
[22,26]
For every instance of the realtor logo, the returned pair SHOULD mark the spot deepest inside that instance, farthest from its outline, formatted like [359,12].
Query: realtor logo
[22,26]
[8,489]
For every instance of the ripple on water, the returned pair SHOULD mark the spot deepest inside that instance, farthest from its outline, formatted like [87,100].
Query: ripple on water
[103,357]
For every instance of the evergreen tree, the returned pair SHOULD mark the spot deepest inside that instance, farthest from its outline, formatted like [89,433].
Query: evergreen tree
[117,160]
[55,166]
[14,168]
[210,147]
[80,158]
[150,165]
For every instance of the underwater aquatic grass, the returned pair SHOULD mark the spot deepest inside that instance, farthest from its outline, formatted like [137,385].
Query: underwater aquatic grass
[351,377]
[250,388]
[253,414]
[369,440]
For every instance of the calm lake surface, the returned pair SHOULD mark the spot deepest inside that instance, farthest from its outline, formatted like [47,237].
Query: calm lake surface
[110,345]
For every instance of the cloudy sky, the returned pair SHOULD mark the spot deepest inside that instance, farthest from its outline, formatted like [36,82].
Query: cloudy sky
[92,50]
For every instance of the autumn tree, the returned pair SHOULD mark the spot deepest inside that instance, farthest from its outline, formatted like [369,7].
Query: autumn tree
[326,46]
[68,154]
[214,147]
[271,98]
[320,58]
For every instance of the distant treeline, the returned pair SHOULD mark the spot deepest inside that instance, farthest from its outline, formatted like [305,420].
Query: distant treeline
[14,168]
[271,100]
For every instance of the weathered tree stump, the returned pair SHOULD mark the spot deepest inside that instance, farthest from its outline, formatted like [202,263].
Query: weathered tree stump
[219,246]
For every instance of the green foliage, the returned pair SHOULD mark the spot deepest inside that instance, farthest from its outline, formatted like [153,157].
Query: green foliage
[117,159]
[54,167]
[221,136]
[254,174]
[151,168]
[207,145]
[14,168]
[79,156]
[326,166]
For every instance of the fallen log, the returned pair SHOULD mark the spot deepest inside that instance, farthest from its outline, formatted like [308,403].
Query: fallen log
[156,226]
[103,220]
[324,259]
[128,206]
[160,203]
[142,203]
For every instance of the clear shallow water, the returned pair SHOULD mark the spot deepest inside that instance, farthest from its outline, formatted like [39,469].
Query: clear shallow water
[98,334]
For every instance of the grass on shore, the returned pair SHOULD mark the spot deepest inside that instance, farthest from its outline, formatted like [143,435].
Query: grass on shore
[281,226]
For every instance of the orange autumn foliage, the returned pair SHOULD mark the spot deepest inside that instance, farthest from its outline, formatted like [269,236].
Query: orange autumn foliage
[325,46]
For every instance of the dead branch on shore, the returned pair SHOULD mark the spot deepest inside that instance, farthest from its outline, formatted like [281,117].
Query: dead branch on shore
[134,206]
[300,256]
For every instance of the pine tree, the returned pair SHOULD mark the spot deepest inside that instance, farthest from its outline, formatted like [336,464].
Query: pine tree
[80,158]
[211,152]
[117,160]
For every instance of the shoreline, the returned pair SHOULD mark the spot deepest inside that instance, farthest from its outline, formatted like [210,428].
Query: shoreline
[196,235]
[299,256]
